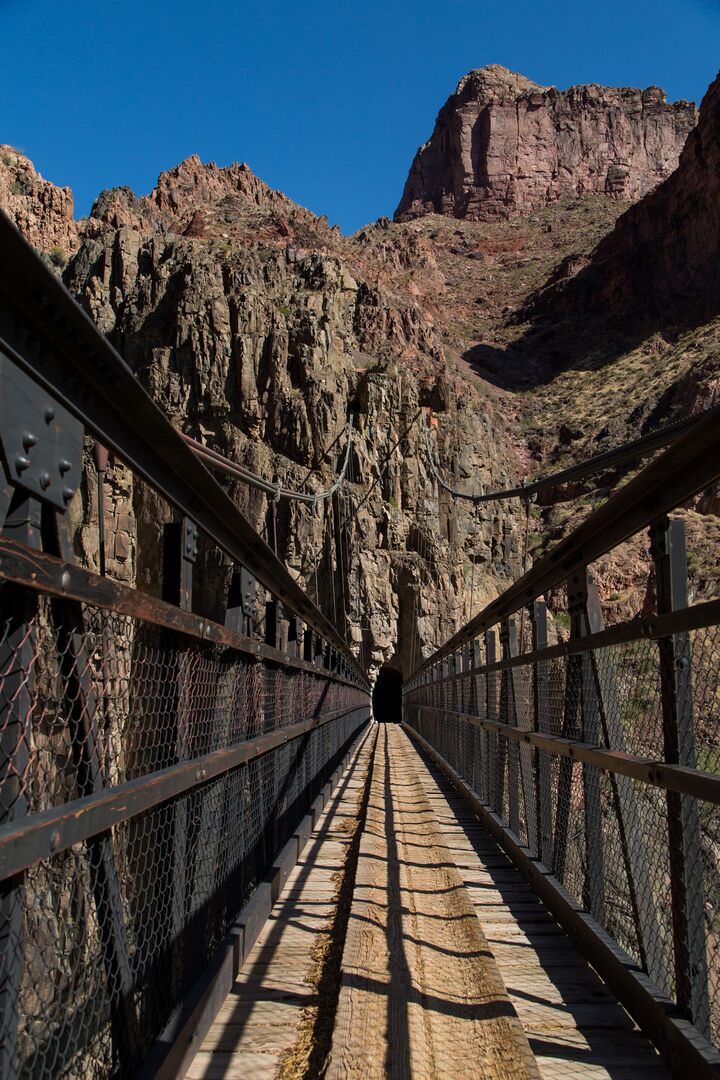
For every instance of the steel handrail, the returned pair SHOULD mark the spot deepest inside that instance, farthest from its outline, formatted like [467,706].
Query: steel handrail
[70,357]
[685,468]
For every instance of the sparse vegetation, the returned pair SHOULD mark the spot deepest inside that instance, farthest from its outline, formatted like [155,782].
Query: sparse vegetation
[58,257]
[22,185]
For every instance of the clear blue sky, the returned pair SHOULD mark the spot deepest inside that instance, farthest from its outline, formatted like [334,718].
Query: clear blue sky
[326,100]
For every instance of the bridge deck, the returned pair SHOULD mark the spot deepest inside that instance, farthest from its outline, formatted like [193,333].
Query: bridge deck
[443,964]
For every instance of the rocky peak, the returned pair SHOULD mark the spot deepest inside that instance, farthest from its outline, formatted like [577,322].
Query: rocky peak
[504,146]
[42,212]
[495,83]
[206,201]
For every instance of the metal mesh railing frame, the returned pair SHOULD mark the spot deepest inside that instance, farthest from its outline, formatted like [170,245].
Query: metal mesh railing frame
[604,835]
[104,938]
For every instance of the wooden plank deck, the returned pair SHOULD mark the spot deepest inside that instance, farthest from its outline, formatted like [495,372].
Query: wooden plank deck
[442,962]
[268,1022]
[575,1026]
[421,995]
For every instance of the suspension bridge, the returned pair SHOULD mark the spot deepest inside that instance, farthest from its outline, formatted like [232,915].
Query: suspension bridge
[216,862]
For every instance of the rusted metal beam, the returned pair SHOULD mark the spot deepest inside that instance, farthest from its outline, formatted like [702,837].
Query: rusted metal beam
[44,834]
[687,887]
[687,1052]
[695,782]
[46,574]
[45,332]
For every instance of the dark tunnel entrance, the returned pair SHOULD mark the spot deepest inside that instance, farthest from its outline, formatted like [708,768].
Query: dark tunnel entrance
[387,696]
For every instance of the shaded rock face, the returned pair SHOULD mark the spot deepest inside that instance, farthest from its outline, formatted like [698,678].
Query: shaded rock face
[503,146]
[263,351]
[259,329]
[660,262]
[42,212]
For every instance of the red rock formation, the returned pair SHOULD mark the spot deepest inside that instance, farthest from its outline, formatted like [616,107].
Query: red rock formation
[42,211]
[232,203]
[660,262]
[503,146]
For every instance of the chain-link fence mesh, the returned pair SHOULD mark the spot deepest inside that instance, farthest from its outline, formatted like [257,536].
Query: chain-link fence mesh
[644,861]
[101,941]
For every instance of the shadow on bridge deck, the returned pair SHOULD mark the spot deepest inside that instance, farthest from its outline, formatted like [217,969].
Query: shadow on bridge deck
[450,966]
[574,1024]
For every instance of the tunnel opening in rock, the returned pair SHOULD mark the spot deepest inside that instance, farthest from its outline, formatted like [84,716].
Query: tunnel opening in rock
[387,696]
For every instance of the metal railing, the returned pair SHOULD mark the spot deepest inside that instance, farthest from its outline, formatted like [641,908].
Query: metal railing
[153,762]
[596,761]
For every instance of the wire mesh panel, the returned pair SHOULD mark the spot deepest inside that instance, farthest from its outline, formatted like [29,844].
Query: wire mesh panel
[102,939]
[565,746]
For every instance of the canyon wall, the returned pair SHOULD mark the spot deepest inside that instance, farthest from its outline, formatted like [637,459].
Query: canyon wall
[261,331]
[659,265]
[264,349]
[503,146]
[42,212]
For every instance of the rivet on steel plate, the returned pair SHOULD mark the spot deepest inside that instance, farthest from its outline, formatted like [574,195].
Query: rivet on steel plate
[22,463]
[64,466]
[49,414]
[45,480]
[67,494]
[65,579]
[29,440]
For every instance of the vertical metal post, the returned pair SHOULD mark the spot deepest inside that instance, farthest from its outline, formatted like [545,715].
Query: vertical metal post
[293,636]
[570,730]
[451,752]
[492,714]
[271,623]
[180,548]
[668,549]
[477,706]
[589,732]
[508,715]
[241,605]
[541,723]
[520,757]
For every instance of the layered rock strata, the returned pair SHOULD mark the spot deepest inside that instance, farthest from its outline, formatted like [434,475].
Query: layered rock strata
[503,146]
[263,350]
[42,211]
[660,262]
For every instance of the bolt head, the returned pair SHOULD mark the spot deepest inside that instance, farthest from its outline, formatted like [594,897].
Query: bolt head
[22,463]
[67,494]
[49,414]
[45,480]
[64,466]
[29,440]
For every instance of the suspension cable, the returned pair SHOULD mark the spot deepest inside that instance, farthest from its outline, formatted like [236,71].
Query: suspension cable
[225,465]
[626,452]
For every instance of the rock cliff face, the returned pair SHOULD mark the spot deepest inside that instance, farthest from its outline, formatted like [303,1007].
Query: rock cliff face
[503,146]
[263,348]
[259,329]
[661,259]
[42,211]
